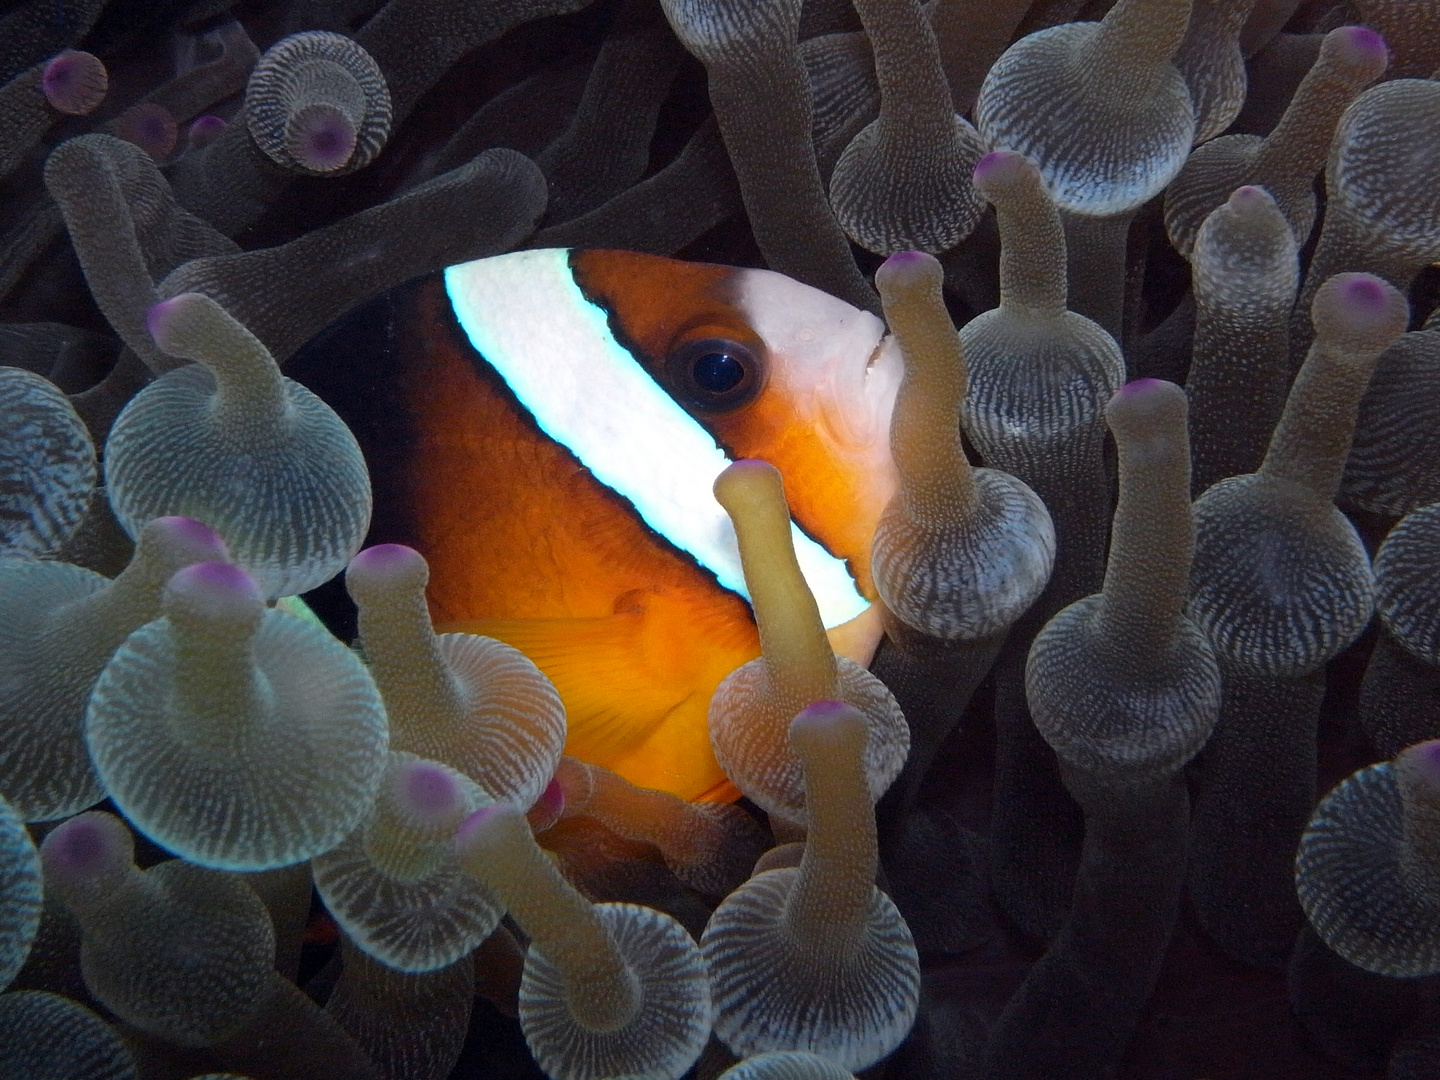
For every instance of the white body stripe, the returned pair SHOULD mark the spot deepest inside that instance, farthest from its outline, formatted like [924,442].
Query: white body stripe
[525,314]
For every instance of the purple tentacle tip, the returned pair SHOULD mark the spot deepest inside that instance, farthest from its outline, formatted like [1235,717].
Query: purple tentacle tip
[428,790]
[990,164]
[999,166]
[150,127]
[1361,308]
[193,534]
[205,129]
[1423,762]
[1140,387]
[1144,402]
[160,319]
[1364,292]
[1250,197]
[217,576]
[322,138]
[825,710]
[1363,44]
[214,590]
[387,564]
[74,83]
[384,556]
[822,716]
[913,267]
[85,846]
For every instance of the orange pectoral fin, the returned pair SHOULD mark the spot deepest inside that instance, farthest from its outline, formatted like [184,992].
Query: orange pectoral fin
[639,714]
[859,638]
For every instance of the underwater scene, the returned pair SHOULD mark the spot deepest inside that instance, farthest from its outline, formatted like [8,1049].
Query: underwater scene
[747,539]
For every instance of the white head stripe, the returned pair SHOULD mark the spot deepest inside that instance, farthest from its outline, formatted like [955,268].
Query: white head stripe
[524,313]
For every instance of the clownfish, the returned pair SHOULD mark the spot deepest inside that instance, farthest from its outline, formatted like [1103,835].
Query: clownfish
[545,427]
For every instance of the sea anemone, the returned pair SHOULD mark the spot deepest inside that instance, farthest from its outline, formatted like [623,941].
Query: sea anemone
[246,806]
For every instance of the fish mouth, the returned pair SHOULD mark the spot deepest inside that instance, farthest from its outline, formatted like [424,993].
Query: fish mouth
[884,368]
[870,360]
[867,394]
[866,372]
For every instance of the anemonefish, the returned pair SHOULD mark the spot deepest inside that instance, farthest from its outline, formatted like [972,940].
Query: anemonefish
[546,427]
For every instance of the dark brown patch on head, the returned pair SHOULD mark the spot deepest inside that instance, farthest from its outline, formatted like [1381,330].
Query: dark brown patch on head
[656,305]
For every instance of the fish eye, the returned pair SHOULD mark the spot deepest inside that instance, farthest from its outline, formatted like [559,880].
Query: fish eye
[715,374]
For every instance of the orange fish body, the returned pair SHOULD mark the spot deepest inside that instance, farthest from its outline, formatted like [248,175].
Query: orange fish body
[545,427]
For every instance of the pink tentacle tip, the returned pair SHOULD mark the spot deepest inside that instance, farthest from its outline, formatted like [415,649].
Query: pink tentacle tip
[428,790]
[548,808]
[1362,45]
[74,83]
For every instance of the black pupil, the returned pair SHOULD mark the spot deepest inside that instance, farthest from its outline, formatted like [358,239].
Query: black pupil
[718,372]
